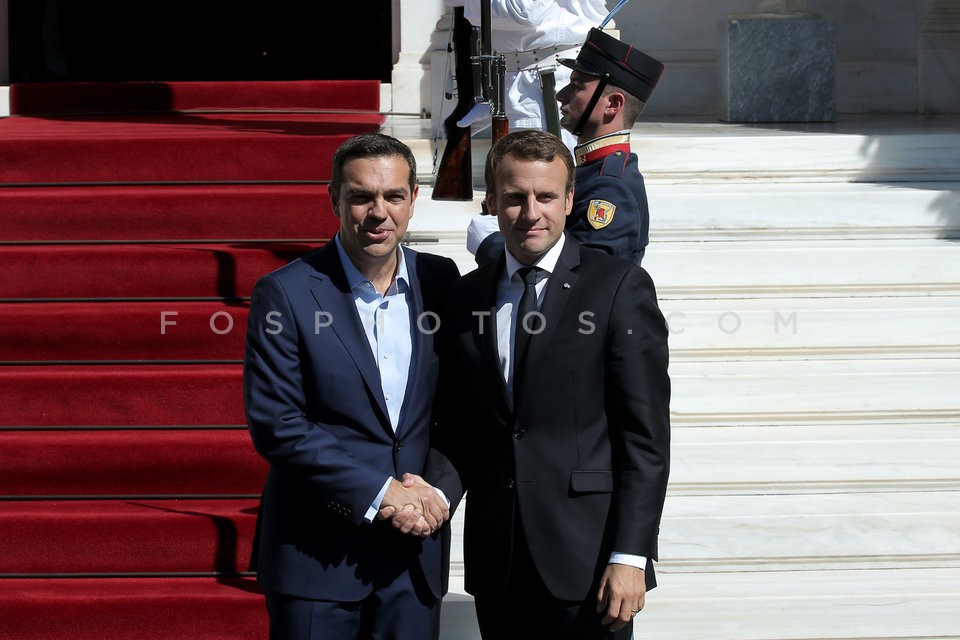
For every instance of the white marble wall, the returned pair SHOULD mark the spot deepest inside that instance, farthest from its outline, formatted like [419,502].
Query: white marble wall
[939,57]
[881,54]
[412,82]
[877,51]
[4,60]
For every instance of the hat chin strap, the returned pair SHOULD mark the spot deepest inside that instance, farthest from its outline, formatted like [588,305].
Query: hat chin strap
[604,80]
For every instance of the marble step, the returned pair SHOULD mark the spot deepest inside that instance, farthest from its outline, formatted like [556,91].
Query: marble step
[770,268]
[790,211]
[803,328]
[857,604]
[815,457]
[867,149]
[850,150]
[755,259]
[805,268]
[714,393]
[858,530]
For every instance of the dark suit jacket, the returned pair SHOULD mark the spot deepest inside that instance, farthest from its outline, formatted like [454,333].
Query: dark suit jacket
[582,451]
[316,412]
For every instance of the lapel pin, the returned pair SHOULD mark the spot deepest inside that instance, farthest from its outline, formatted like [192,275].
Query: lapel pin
[566,285]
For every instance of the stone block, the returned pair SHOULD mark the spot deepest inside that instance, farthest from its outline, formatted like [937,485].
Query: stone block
[939,64]
[777,70]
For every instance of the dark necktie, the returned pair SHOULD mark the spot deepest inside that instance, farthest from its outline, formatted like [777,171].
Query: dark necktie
[527,306]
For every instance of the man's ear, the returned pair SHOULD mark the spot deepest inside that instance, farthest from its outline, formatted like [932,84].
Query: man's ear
[615,102]
[488,202]
[334,198]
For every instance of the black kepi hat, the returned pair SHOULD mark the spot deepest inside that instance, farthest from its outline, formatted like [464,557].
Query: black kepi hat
[628,68]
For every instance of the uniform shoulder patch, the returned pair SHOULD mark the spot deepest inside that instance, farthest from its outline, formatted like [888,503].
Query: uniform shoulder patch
[600,213]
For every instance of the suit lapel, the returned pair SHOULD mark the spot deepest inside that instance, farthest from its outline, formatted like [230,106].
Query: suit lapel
[422,341]
[333,296]
[559,288]
[487,337]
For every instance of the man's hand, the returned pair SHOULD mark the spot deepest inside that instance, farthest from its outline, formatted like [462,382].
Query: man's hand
[413,506]
[622,591]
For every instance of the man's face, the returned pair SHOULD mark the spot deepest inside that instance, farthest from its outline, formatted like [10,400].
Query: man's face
[575,97]
[374,205]
[531,201]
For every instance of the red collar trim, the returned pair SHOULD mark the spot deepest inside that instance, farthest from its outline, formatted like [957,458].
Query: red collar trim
[602,152]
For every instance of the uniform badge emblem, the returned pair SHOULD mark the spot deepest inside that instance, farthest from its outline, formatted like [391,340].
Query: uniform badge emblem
[600,213]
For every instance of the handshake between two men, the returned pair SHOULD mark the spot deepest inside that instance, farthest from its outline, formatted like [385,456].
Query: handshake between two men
[414,506]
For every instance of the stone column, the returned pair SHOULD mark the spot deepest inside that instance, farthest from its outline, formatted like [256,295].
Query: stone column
[4,59]
[411,78]
[938,58]
[778,64]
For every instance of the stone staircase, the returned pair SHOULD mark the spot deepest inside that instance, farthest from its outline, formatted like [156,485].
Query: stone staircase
[811,279]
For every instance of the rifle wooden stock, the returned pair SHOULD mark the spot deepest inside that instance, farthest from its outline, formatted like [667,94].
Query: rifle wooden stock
[455,173]
[501,127]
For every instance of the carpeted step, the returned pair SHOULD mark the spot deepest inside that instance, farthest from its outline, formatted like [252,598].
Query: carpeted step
[120,395]
[175,148]
[122,331]
[127,97]
[126,536]
[141,608]
[129,462]
[139,271]
[134,213]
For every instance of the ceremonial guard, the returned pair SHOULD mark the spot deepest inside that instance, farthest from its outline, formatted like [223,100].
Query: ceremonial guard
[531,35]
[609,86]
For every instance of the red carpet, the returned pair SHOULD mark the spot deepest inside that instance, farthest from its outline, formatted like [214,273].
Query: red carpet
[139,270]
[127,536]
[124,331]
[141,608]
[134,220]
[129,462]
[105,97]
[187,148]
[125,213]
[121,395]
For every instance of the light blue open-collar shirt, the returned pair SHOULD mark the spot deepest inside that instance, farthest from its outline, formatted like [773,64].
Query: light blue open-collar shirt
[387,323]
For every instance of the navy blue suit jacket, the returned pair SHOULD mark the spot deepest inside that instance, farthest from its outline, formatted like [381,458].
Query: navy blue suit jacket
[614,179]
[316,412]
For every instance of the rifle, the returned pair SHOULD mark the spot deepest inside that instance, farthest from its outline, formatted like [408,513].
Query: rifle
[485,73]
[455,173]
[493,70]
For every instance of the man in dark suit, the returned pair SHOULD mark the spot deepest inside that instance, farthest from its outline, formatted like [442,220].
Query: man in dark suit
[339,378]
[556,425]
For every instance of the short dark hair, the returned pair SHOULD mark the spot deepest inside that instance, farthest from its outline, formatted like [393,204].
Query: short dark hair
[632,105]
[370,145]
[529,144]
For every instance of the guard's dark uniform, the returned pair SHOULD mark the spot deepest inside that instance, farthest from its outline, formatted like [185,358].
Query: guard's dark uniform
[610,202]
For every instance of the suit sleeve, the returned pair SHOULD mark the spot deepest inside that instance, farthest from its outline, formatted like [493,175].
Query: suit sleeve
[302,450]
[638,388]
[447,466]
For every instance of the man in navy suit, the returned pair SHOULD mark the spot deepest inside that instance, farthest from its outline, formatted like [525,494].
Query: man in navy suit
[339,377]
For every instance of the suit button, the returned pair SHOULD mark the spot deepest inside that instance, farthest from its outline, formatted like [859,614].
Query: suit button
[397,447]
[510,483]
[518,434]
